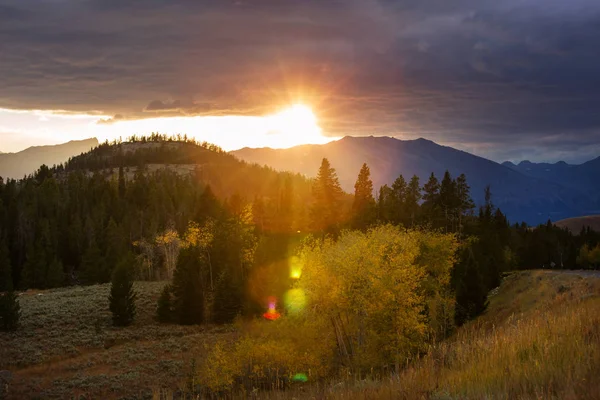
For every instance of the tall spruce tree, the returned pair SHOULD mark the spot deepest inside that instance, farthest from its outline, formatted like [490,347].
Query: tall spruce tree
[327,196]
[363,207]
[465,202]
[431,196]
[471,289]
[6,280]
[164,307]
[413,197]
[398,200]
[10,311]
[189,287]
[122,296]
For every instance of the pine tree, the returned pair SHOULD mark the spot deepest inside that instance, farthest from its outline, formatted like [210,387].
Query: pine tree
[188,287]
[384,201]
[122,296]
[363,206]
[55,276]
[398,200]
[431,195]
[448,201]
[471,289]
[228,299]
[413,196]
[92,268]
[10,311]
[164,308]
[465,203]
[327,195]
[5,267]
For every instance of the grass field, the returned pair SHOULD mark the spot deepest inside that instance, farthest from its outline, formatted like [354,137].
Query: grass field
[539,339]
[66,347]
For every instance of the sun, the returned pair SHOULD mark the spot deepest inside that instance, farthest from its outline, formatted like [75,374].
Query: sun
[297,115]
[293,126]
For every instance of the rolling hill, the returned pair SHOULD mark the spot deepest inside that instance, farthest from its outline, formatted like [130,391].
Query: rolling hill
[17,165]
[577,223]
[520,196]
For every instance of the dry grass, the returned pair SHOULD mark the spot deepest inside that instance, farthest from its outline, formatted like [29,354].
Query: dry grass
[66,347]
[540,339]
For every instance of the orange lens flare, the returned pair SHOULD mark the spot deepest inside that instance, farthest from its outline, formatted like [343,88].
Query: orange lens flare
[272,313]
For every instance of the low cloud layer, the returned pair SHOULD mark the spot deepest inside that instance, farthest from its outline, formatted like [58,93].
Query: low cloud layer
[509,80]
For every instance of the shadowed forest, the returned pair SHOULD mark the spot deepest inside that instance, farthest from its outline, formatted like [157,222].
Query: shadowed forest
[317,283]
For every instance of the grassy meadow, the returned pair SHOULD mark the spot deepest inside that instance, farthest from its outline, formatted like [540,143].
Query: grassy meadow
[67,347]
[539,339]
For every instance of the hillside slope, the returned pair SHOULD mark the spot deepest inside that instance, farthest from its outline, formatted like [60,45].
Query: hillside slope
[521,197]
[17,165]
[539,339]
[576,224]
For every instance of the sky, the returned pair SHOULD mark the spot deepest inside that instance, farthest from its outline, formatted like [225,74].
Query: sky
[507,80]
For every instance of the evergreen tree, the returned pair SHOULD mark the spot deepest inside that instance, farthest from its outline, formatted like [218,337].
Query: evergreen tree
[10,311]
[384,204]
[363,206]
[164,309]
[465,203]
[431,196]
[448,201]
[228,299]
[471,289]
[6,281]
[93,268]
[188,287]
[55,276]
[413,197]
[398,200]
[122,296]
[122,186]
[327,195]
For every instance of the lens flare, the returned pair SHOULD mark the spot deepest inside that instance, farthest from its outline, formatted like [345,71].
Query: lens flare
[295,267]
[295,300]
[300,378]
[272,313]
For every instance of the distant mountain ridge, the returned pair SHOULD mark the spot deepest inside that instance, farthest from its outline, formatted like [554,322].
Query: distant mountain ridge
[583,177]
[17,165]
[523,197]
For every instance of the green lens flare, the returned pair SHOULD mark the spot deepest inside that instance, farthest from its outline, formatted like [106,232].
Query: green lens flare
[295,300]
[300,378]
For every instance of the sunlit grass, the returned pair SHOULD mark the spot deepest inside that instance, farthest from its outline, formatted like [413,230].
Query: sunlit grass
[540,339]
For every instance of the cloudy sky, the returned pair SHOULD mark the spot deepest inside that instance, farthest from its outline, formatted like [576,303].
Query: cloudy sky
[509,80]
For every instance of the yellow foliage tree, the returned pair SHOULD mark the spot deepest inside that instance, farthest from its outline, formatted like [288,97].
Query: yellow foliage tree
[369,300]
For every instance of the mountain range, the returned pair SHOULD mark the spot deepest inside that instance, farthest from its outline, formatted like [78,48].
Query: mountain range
[529,192]
[524,192]
[17,165]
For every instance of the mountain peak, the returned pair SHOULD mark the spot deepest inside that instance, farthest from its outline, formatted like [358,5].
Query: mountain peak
[17,165]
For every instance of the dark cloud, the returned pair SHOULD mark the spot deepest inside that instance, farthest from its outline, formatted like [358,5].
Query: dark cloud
[184,107]
[504,79]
